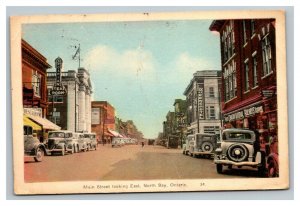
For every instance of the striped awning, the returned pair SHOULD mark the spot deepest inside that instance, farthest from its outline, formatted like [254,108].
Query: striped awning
[27,121]
[45,123]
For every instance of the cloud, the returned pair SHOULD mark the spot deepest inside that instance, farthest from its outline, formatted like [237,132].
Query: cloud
[185,65]
[137,62]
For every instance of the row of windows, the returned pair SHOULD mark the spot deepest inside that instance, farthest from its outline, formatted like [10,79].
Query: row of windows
[228,40]
[252,29]
[266,64]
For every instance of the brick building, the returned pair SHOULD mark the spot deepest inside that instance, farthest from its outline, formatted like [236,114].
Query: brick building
[103,120]
[248,58]
[203,102]
[35,106]
[34,69]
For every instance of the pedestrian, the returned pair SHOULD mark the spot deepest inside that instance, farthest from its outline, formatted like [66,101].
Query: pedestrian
[143,144]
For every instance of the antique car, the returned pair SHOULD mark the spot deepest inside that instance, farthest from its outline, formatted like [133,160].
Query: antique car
[32,146]
[202,144]
[239,147]
[80,142]
[117,142]
[61,141]
[90,139]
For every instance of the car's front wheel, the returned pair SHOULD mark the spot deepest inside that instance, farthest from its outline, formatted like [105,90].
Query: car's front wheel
[220,168]
[39,155]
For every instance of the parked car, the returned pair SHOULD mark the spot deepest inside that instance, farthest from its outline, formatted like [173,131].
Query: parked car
[202,144]
[61,141]
[117,142]
[81,143]
[90,139]
[239,147]
[32,146]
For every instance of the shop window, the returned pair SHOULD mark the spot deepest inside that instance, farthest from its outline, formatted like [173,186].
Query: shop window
[266,52]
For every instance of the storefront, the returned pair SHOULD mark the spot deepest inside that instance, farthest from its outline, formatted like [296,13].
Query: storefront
[41,126]
[260,116]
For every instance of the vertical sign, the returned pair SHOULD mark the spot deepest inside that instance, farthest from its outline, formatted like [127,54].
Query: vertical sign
[58,66]
[201,105]
[95,116]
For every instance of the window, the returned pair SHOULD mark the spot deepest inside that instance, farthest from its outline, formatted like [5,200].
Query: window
[211,92]
[267,58]
[228,41]
[230,86]
[244,32]
[206,112]
[246,67]
[255,83]
[252,27]
[36,83]
[212,113]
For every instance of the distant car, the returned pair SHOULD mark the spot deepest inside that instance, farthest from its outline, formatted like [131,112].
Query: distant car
[117,142]
[90,139]
[32,146]
[239,147]
[61,141]
[202,144]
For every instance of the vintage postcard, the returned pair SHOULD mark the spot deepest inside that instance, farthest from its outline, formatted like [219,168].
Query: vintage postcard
[149,102]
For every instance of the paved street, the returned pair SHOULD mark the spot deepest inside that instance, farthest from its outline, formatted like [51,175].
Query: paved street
[131,162]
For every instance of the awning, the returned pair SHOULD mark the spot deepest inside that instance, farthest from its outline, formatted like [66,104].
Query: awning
[115,134]
[27,121]
[46,124]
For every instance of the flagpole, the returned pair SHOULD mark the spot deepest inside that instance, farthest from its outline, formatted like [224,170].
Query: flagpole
[79,55]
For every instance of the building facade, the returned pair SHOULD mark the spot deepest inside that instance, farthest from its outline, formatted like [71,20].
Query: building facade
[180,110]
[34,69]
[203,102]
[72,111]
[103,120]
[248,58]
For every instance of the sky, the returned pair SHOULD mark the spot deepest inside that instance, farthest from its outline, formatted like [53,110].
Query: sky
[138,67]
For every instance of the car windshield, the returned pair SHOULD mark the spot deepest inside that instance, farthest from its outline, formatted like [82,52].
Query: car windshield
[56,135]
[237,136]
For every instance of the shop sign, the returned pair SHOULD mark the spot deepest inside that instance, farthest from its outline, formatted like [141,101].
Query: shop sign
[58,89]
[95,115]
[33,111]
[252,111]
[201,101]
[58,66]
[244,113]
[268,93]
